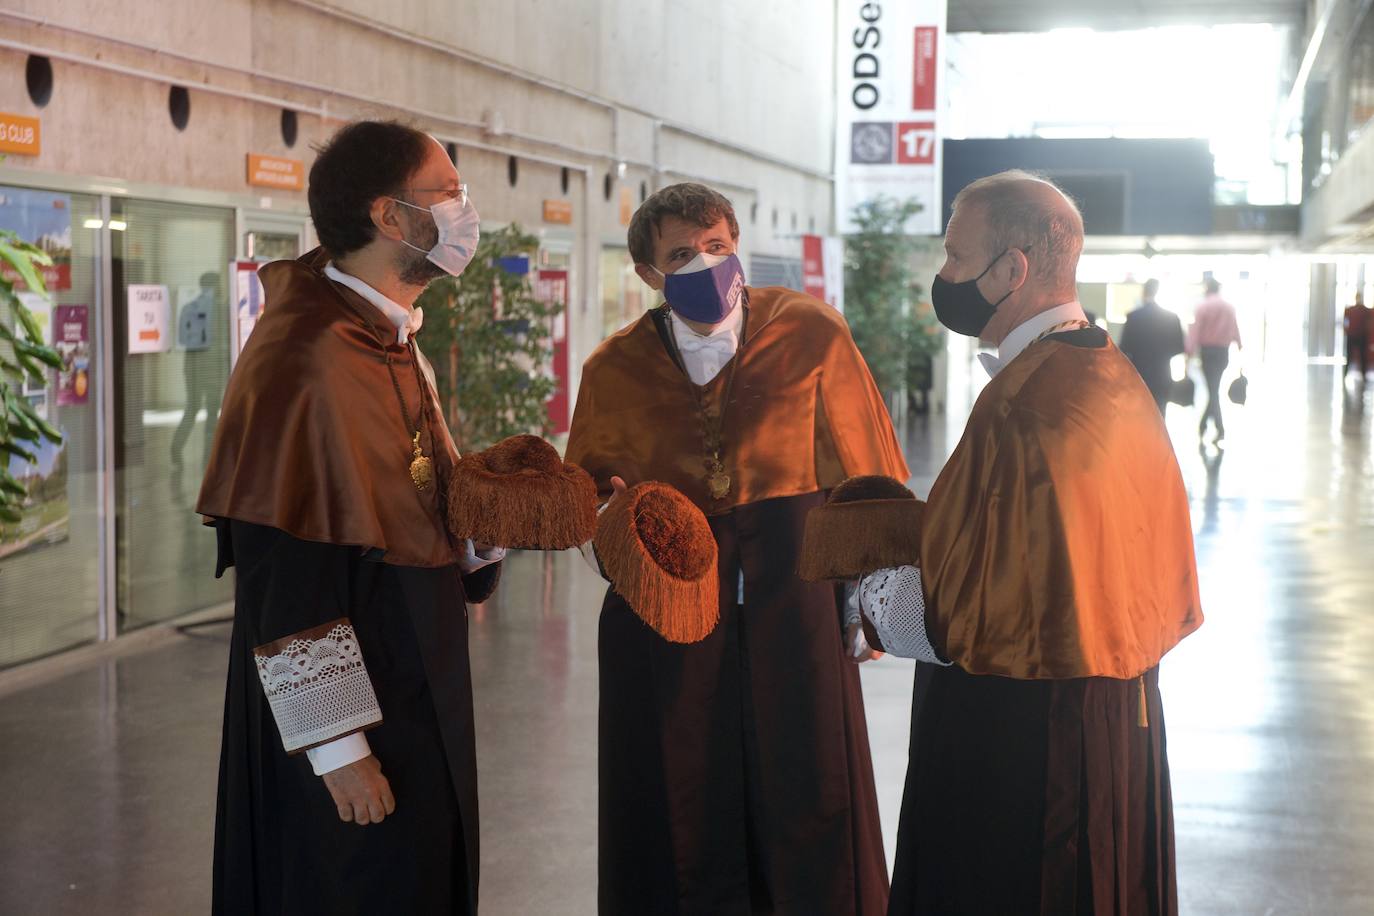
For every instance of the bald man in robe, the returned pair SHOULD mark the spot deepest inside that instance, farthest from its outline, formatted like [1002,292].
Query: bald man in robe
[1056,570]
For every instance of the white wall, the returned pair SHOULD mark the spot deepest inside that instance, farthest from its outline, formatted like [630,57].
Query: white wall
[740,94]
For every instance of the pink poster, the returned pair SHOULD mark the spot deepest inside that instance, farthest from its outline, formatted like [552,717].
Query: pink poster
[71,334]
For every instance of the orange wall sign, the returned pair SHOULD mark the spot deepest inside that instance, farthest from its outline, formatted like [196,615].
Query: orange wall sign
[19,134]
[275,172]
[558,211]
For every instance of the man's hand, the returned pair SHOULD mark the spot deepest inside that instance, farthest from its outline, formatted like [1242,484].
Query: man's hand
[361,792]
[618,488]
[852,634]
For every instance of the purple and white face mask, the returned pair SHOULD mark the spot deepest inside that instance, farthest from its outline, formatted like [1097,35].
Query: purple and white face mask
[707,289]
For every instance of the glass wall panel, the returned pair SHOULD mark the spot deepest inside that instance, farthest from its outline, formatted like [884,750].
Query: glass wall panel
[622,292]
[171,265]
[50,562]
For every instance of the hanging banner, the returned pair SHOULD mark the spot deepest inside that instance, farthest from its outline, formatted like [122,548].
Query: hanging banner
[813,266]
[72,340]
[823,269]
[891,94]
[551,287]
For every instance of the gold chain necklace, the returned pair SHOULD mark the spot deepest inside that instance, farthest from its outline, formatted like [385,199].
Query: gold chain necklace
[717,481]
[1073,324]
[421,467]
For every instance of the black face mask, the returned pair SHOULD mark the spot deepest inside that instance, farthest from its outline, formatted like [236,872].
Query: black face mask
[961,307]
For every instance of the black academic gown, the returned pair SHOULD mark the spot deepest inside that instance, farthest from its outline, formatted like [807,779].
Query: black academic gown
[735,772]
[280,847]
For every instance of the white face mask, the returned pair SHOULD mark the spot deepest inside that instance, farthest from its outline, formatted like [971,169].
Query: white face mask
[459,230]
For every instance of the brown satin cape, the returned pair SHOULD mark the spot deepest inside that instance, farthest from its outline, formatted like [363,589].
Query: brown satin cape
[312,440]
[1057,541]
[804,412]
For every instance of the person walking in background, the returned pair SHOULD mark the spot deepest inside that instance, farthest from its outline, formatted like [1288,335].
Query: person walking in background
[1213,331]
[200,367]
[1359,329]
[1152,337]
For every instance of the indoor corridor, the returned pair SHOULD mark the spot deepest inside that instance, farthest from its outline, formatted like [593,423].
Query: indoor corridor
[109,771]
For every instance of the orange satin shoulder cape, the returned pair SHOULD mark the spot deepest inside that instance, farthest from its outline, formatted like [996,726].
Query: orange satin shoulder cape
[1057,541]
[804,413]
[311,439]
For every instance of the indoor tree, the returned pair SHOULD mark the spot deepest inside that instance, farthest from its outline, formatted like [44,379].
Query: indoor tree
[879,288]
[23,354]
[490,339]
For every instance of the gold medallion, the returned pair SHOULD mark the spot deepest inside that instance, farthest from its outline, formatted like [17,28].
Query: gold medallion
[421,468]
[719,482]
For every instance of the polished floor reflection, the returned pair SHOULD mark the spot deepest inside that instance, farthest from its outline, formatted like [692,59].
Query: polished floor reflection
[109,772]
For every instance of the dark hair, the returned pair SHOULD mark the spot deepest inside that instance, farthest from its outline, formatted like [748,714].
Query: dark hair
[209,280]
[363,161]
[1151,287]
[1212,286]
[695,203]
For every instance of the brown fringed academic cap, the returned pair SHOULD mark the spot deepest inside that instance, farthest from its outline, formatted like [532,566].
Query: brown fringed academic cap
[868,523]
[519,493]
[658,551]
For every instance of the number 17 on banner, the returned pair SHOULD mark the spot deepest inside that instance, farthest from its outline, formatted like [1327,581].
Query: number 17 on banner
[916,143]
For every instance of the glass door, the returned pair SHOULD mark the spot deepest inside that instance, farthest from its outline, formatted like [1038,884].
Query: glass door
[171,283]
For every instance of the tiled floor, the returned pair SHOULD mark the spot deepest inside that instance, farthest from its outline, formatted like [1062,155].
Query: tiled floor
[108,774]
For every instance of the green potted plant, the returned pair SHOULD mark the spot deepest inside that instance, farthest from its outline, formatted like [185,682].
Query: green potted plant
[923,339]
[880,289]
[490,339]
[23,355]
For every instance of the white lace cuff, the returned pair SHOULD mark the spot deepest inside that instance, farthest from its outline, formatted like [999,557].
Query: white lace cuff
[894,602]
[317,685]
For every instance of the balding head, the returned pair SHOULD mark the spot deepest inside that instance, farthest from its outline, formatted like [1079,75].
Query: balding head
[1020,210]
[1018,237]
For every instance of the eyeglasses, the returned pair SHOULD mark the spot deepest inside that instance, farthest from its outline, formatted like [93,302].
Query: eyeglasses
[459,194]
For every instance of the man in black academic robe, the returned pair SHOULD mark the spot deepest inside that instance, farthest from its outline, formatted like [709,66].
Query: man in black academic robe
[348,766]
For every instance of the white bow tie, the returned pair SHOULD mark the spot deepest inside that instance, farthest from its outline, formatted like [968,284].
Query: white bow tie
[991,363]
[724,344]
[412,326]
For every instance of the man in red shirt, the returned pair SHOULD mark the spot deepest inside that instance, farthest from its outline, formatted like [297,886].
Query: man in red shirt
[1213,331]
[1359,335]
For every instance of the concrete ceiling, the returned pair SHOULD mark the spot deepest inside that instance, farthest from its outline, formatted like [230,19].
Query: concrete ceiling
[1043,15]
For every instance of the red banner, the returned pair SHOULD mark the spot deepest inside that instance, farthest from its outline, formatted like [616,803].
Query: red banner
[813,267]
[552,287]
[923,68]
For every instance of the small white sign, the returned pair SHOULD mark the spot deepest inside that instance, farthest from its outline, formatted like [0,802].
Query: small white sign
[150,319]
